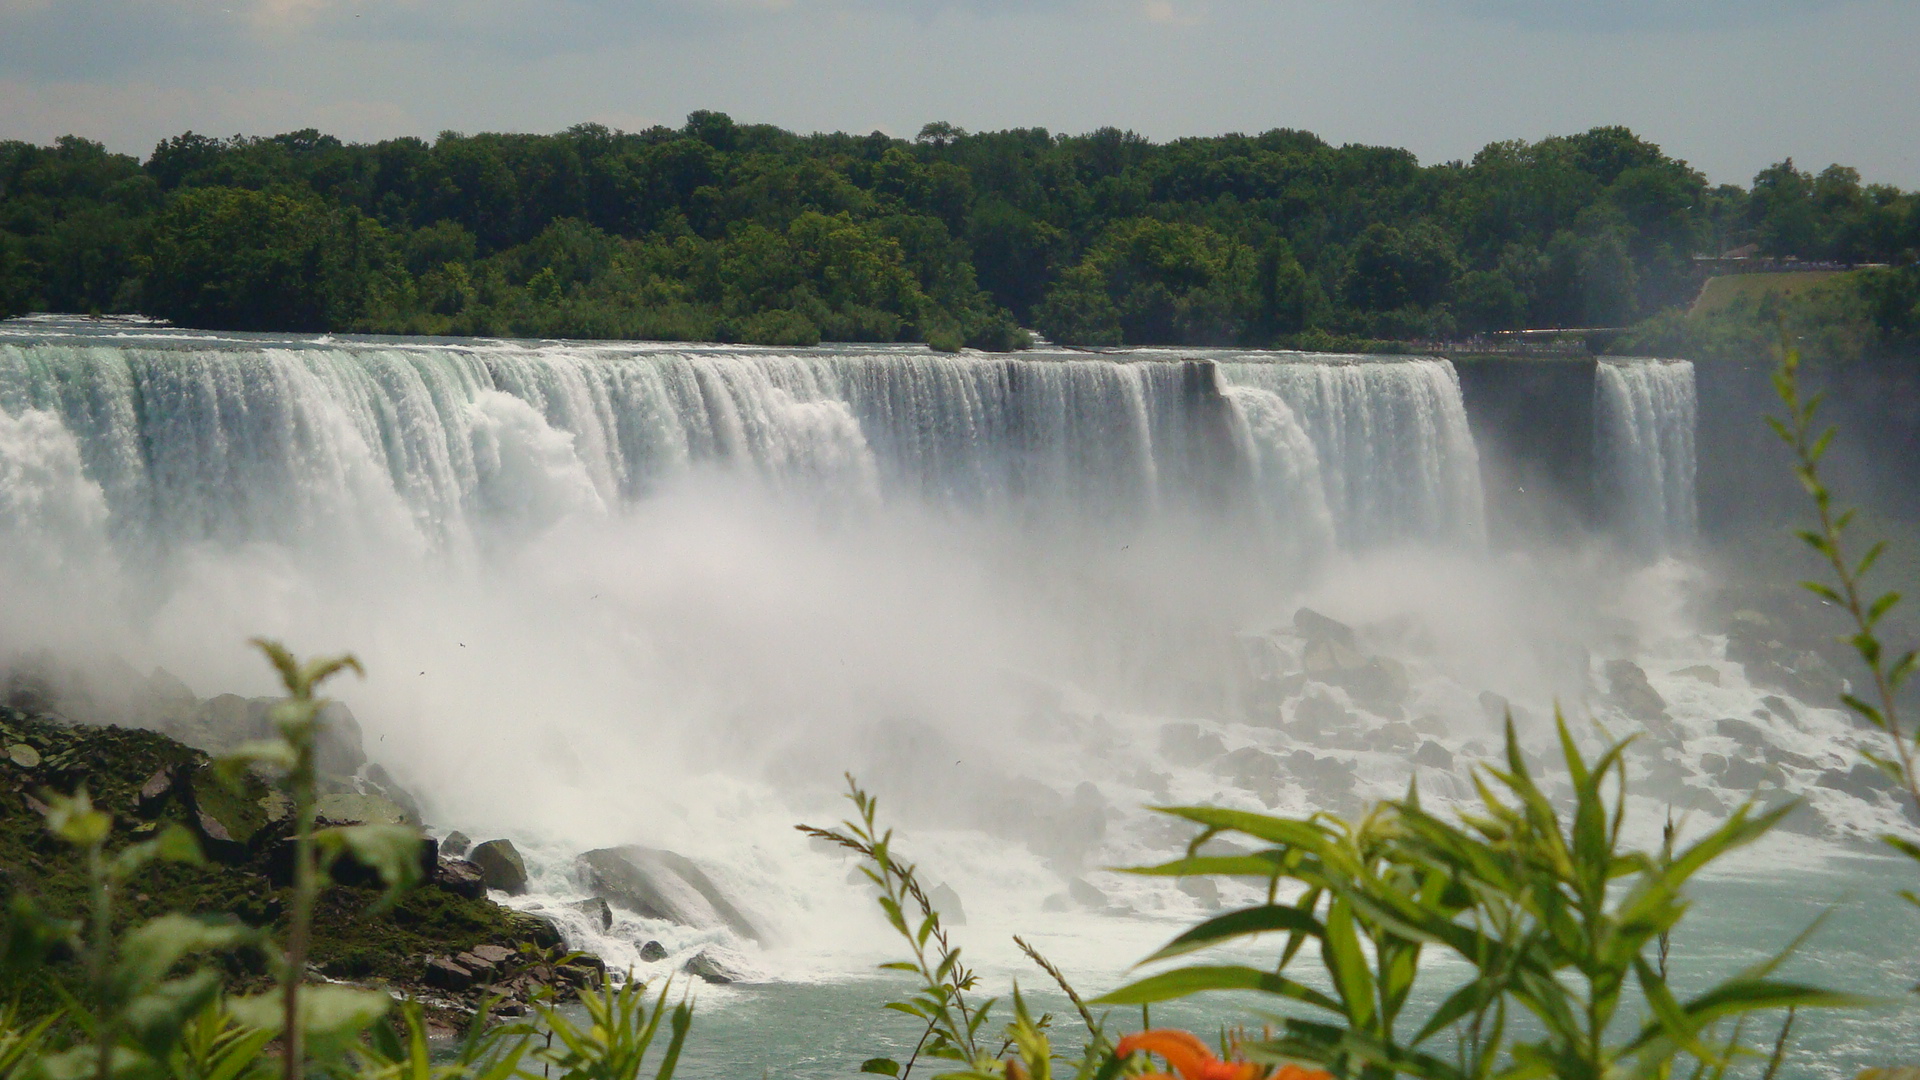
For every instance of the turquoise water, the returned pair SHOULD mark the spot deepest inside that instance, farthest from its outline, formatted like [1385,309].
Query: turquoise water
[1869,943]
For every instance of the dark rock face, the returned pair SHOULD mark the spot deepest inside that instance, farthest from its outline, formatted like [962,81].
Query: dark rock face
[446,974]
[461,878]
[1433,755]
[1316,628]
[658,884]
[501,866]
[1628,687]
[653,952]
[456,844]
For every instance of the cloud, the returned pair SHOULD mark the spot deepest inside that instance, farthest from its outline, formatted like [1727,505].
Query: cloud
[1642,16]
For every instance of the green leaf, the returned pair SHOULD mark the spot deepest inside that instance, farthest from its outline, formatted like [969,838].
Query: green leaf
[1193,980]
[882,1066]
[149,951]
[327,1012]
[1270,918]
[393,851]
[1260,865]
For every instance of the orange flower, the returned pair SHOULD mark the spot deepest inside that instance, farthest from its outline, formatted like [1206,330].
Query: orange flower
[1193,1061]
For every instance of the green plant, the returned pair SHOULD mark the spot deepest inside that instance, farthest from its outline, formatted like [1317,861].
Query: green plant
[334,1015]
[620,1030]
[1554,918]
[1809,443]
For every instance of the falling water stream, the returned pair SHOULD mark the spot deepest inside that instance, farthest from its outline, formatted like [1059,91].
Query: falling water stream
[614,594]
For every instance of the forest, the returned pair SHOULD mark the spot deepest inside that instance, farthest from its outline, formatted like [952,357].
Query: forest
[721,231]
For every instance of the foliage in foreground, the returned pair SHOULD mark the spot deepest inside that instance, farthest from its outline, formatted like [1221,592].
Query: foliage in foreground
[149,1009]
[1563,929]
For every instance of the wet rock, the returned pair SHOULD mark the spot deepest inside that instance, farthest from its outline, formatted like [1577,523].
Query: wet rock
[1186,744]
[586,971]
[24,756]
[1316,627]
[1741,774]
[493,954]
[1328,661]
[597,912]
[1628,688]
[1205,890]
[456,844]
[501,866]
[653,952]
[1057,902]
[155,792]
[478,966]
[947,902]
[1434,756]
[1778,706]
[1742,732]
[1087,894]
[1255,770]
[1394,737]
[1708,675]
[1497,708]
[444,973]
[1318,715]
[1863,781]
[658,884]
[1777,756]
[1688,797]
[461,878]
[709,966]
[375,780]
[1713,764]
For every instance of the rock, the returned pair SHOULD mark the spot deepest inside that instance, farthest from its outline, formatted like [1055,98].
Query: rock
[375,780]
[1496,708]
[493,954]
[1740,731]
[596,911]
[456,844]
[1379,684]
[154,792]
[500,866]
[1329,660]
[461,878]
[1708,675]
[1319,714]
[1863,781]
[1316,627]
[1086,894]
[653,952]
[1628,688]
[1255,770]
[479,967]
[1186,744]
[947,902]
[1689,797]
[1743,775]
[24,756]
[1779,707]
[658,884]
[445,974]
[347,809]
[706,965]
[1205,890]
[1713,764]
[1395,736]
[1057,902]
[1434,756]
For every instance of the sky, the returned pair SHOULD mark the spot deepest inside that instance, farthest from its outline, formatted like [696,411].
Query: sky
[1728,85]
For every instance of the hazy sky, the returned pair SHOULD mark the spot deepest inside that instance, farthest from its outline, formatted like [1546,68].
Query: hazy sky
[1730,85]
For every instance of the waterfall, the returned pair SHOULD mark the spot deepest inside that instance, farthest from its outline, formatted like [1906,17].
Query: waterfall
[446,448]
[1644,421]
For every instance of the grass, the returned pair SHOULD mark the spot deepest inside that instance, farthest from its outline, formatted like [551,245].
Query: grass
[1722,292]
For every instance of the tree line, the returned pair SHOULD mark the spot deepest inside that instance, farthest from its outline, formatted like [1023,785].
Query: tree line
[746,232]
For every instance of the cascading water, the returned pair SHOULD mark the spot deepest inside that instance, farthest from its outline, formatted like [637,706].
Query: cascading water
[618,594]
[1644,422]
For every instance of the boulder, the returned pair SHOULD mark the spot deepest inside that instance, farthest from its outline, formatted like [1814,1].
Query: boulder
[658,884]
[1316,627]
[652,952]
[1086,894]
[500,866]
[1397,736]
[461,878]
[1628,688]
[479,967]
[1328,661]
[456,844]
[1434,756]
[598,914]
[947,902]
[1708,675]
[1318,714]
[1778,706]
[711,967]
[155,792]
[444,973]
[495,954]
[1186,744]
[1742,732]
[375,780]
[1255,770]
[1205,890]
[1863,781]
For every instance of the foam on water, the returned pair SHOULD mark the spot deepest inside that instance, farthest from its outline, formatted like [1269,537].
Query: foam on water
[619,594]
